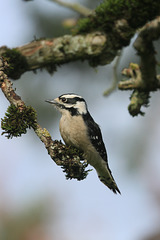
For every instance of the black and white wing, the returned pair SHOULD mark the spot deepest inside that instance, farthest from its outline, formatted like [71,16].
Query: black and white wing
[102,168]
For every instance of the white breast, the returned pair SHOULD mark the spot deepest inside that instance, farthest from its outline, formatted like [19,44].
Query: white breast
[73,131]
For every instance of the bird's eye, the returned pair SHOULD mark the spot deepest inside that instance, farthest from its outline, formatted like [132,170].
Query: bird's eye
[64,99]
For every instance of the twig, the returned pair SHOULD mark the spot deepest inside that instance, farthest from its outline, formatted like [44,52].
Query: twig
[143,79]
[67,157]
[75,7]
[145,49]
[115,77]
[133,72]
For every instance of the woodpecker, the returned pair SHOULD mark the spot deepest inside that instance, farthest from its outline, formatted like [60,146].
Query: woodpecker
[78,128]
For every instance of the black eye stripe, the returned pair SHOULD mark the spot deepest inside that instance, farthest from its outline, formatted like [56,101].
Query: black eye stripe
[71,100]
[79,99]
[63,99]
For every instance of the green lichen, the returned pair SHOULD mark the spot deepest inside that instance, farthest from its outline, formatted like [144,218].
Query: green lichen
[46,133]
[17,63]
[16,121]
[136,12]
[74,169]
[138,99]
[71,161]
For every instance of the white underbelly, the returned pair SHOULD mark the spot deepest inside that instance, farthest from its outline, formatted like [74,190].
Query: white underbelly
[74,132]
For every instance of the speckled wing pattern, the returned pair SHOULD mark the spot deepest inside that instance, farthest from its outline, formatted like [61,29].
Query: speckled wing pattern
[95,135]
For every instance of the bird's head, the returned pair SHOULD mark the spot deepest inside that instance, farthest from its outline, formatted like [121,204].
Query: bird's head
[71,102]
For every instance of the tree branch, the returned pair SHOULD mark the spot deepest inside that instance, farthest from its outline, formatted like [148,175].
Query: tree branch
[100,35]
[113,87]
[108,29]
[136,13]
[75,7]
[97,47]
[145,49]
[143,79]
[115,22]
[53,52]
[67,157]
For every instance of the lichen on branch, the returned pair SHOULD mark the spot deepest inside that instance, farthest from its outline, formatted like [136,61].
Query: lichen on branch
[96,38]
[17,120]
[50,53]
[135,12]
[142,78]
[19,117]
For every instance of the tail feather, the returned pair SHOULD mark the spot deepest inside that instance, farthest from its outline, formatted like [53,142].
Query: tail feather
[110,183]
[103,170]
[105,176]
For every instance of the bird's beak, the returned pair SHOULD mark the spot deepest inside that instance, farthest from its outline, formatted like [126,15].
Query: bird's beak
[50,101]
[55,101]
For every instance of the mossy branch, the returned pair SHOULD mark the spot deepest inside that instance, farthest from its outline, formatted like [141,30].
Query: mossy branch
[19,117]
[17,120]
[143,79]
[136,13]
[50,53]
[97,38]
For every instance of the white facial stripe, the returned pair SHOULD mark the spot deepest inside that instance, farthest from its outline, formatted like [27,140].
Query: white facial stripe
[78,103]
[70,95]
[81,106]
